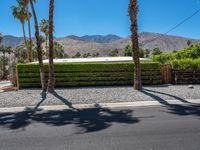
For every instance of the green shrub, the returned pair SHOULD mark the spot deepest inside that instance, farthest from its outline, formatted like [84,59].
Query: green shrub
[186,64]
[83,74]
[192,52]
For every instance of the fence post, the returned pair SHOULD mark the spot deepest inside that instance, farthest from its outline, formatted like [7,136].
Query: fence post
[166,74]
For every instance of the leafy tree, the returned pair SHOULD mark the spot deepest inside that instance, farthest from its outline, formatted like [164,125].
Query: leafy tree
[84,55]
[189,43]
[113,53]
[95,54]
[78,55]
[141,53]
[88,55]
[133,10]
[146,53]
[156,51]
[188,53]
[128,50]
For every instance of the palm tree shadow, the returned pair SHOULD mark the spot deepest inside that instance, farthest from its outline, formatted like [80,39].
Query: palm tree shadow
[86,120]
[63,100]
[183,110]
[172,96]
[43,98]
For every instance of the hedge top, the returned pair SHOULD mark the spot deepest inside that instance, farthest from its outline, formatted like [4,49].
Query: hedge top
[92,66]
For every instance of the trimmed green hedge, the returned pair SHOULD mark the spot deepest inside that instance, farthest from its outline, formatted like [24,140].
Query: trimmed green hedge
[89,74]
[186,64]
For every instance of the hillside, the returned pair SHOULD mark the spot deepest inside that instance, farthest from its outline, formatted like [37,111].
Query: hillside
[104,44]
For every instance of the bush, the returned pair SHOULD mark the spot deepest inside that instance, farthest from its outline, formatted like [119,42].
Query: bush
[186,64]
[82,74]
[165,58]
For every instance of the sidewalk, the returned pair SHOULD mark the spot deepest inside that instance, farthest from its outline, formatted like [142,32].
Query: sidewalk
[188,102]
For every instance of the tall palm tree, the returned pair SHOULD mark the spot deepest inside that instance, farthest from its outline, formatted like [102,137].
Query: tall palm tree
[39,48]
[20,14]
[44,27]
[133,10]
[29,31]
[51,82]
[24,4]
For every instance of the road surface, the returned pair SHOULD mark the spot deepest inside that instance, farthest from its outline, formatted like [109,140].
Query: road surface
[166,127]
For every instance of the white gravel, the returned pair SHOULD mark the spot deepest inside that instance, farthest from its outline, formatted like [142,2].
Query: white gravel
[87,95]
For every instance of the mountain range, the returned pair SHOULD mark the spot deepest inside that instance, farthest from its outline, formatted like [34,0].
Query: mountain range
[104,44]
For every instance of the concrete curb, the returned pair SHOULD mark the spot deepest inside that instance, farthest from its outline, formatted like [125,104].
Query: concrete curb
[103,105]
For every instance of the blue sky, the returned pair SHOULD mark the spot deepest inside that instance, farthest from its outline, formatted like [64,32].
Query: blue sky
[81,17]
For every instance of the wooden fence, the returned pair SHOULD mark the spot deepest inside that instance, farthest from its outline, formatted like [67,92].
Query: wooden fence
[186,76]
[174,76]
[166,74]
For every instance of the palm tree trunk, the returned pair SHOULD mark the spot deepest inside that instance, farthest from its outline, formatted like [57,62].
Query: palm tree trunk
[30,38]
[25,40]
[51,82]
[39,49]
[133,9]
[46,46]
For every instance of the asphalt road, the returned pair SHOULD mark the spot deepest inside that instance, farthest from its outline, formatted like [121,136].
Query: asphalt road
[143,128]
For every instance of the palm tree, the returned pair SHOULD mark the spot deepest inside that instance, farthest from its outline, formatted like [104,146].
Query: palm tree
[20,14]
[24,6]
[44,27]
[133,9]
[39,48]
[51,82]
[29,31]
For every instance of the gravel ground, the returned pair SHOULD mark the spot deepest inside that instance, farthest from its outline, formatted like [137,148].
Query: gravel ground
[87,95]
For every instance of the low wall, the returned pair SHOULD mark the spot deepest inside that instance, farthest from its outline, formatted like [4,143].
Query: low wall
[89,74]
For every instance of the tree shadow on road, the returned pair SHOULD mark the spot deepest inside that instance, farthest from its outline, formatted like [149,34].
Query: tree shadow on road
[86,120]
[43,98]
[178,109]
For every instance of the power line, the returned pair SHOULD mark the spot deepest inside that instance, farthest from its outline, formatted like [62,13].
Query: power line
[182,22]
[179,24]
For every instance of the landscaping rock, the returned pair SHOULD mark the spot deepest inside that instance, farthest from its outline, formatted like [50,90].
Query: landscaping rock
[191,86]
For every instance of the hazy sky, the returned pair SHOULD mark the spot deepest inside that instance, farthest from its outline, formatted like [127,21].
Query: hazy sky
[81,17]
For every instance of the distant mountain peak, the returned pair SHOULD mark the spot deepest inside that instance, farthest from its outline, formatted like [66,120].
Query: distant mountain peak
[101,38]
[103,44]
